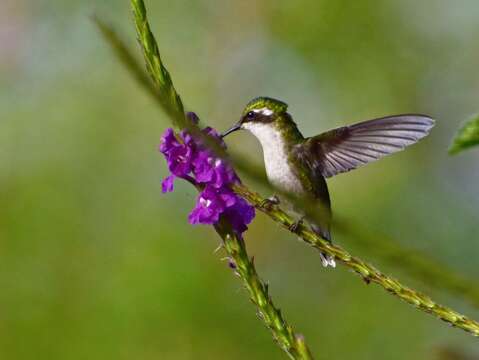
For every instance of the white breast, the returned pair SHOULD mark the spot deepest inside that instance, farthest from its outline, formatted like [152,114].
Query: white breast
[278,170]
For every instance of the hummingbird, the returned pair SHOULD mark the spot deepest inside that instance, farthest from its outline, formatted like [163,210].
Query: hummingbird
[299,165]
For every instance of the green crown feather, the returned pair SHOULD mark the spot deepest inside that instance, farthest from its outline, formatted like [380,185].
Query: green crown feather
[260,102]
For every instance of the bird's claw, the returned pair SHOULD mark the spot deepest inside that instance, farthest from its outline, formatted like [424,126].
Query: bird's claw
[296,225]
[270,202]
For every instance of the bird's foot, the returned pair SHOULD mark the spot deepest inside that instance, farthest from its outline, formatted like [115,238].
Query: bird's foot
[294,227]
[327,260]
[270,202]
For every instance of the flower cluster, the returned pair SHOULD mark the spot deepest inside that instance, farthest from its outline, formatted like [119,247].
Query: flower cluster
[189,159]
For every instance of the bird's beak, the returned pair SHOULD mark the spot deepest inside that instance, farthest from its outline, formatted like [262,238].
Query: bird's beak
[232,129]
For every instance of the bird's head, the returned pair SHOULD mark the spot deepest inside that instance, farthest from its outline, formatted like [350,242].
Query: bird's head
[259,112]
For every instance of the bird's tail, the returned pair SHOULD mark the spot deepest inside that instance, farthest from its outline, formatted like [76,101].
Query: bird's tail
[326,260]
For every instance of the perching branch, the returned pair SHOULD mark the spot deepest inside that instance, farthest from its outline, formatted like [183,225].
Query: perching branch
[413,262]
[367,272]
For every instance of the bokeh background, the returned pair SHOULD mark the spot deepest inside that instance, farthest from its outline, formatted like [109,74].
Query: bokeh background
[96,263]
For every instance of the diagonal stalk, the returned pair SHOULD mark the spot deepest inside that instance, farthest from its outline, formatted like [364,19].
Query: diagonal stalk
[367,272]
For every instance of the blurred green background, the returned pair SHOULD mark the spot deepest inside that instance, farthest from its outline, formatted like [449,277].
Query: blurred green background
[95,263]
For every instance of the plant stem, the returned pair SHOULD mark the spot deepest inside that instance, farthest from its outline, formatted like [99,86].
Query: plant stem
[293,344]
[413,262]
[159,74]
[367,272]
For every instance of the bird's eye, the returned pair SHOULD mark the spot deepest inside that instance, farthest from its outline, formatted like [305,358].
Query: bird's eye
[250,115]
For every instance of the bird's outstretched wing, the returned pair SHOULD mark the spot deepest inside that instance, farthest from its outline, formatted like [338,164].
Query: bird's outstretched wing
[345,148]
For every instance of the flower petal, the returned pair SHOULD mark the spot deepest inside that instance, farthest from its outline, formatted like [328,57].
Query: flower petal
[168,141]
[167,184]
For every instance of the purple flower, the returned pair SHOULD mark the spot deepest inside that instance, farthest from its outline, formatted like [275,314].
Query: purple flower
[167,184]
[224,174]
[215,135]
[168,141]
[211,204]
[213,171]
[240,215]
[202,166]
[193,117]
[179,155]
[187,156]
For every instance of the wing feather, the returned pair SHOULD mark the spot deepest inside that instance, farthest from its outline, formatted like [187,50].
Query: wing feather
[344,149]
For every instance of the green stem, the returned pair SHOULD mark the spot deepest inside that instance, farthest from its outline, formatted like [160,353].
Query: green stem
[413,262]
[293,344]
[365,270]
[170,99]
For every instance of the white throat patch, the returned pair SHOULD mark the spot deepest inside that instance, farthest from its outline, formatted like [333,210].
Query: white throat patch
[278,170]
[266,133]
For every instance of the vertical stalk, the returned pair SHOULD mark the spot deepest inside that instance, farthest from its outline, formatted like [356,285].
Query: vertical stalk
[293,344]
